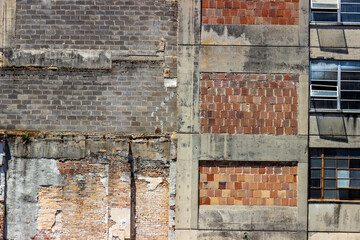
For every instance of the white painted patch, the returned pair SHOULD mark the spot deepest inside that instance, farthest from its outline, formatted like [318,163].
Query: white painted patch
[121,217]
[153,181]
[170,82]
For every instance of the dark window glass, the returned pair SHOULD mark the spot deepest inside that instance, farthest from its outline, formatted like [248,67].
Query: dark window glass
[324,16]
[315,193]
[315,152]
[354,153]
[330,194]
[350,85]
[350,75]
[342,163]
[350,7]
[354,163]
[350,105]
[329,152]
[329,163]
[324,104]
[316,163]
[354,183]
[329,173]
[315,183]
[354,194]
[316,173]
[355,174]
[329,183]
[343,194]
[347,17]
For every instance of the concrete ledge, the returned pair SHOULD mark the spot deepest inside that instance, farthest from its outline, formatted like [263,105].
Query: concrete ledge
[254,59]
[247,218]
[78,59]
[251,147]
[333,236]
[261,235]
[334,217]
[273,35]
[334,142]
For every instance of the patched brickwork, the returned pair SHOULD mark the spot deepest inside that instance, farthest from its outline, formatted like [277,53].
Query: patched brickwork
[84,204]
[152,211]
[129,98]
[99,24]
[248,183]
[249,103]
[285,12]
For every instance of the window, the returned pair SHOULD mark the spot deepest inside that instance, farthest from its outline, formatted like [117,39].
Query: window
[334,174]
[335,11]
[335,85]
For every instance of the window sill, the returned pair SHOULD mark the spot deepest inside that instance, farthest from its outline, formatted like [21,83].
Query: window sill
[325,201]
[335,111]
[333,24]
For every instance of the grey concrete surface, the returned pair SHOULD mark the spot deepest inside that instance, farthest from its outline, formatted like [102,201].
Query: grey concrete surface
[24,178]
[248,218]
[254,59]
[334,217]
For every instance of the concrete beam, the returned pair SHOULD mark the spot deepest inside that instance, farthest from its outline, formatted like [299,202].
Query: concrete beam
[245,218]
[251,147]
[79,59]
[189,12]
[254,59]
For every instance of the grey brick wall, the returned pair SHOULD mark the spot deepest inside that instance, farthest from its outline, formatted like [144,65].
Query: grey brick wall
[96,24]
[130,98]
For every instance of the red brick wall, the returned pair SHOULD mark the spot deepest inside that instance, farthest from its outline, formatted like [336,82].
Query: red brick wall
[283,12]
[249,103]
[248,183]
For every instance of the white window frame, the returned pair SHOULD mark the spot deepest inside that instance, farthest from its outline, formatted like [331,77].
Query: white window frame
[323,95]
[331,9]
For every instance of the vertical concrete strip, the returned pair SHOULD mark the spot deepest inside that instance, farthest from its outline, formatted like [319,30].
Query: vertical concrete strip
[187,185]
[9,23]
[303,101]
[302,199]
[189,22]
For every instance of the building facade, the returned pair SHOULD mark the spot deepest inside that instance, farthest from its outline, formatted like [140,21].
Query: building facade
[164,119]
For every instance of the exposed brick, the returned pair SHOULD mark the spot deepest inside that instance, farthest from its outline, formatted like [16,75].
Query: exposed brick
[259,183]
[265,12]
[249,103]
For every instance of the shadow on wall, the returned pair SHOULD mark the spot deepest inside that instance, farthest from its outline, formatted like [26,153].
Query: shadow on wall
[332,40]
[332,127]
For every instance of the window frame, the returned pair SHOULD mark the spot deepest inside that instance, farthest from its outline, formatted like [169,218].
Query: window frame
[337,11]
[340,70]
[335,178]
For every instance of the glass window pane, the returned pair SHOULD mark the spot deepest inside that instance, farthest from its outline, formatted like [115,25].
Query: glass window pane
[350,75]
[343,194]
[343,183]
[330,152]
[315,194]
[315,163]
[329,183]
[315,152]
[329,194]
[316,173]
[354,163]
[342,163]
[354,183]
[343,173]
[345,7]
[354,194]
[350,95]
[355,174]
[329,163]
[350,85]
[354,152]
[323,104]
[349,105]
[321,75]
[319,16]
[320,65]
[329,173]
[342,152]
[315,183]
[347,17]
